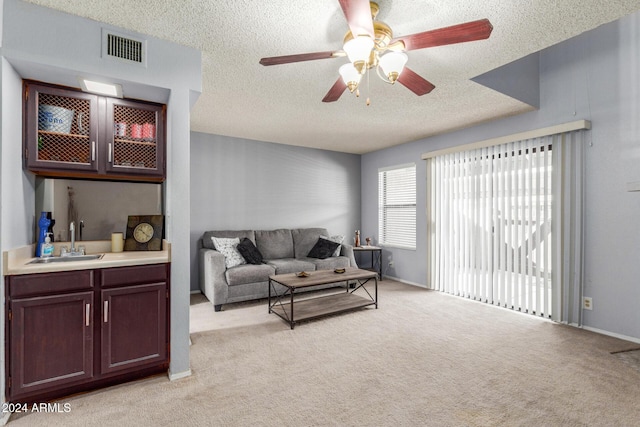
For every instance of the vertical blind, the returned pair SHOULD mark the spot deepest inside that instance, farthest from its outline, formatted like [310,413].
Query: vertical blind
[490,213]
[397,206]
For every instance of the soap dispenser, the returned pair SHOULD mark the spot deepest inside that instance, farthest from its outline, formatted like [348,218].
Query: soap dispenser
[47,247]
[43,224]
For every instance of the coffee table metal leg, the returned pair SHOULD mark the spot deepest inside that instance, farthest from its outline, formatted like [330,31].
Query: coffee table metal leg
[376,292]
[293,323]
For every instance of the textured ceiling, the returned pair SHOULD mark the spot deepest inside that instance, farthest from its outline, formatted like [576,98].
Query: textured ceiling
[282,103]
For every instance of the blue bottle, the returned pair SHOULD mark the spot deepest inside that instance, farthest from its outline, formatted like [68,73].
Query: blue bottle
[43,225]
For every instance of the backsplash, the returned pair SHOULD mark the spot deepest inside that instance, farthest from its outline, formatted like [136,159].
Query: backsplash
[98,208]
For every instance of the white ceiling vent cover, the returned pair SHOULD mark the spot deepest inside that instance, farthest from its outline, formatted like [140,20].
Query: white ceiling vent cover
[124,47]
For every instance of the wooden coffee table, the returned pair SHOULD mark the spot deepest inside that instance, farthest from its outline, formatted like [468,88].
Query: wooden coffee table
[293,310]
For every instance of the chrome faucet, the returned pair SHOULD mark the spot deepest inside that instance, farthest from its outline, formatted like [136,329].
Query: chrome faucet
[73,251]
[72,233]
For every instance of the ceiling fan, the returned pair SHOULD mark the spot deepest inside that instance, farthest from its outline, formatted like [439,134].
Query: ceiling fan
[370,44]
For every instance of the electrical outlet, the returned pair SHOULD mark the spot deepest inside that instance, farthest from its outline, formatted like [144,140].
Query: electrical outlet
[587,303]
[390,263]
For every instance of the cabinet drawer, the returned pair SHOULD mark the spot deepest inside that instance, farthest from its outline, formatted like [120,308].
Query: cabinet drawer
[38,284]
[124,276]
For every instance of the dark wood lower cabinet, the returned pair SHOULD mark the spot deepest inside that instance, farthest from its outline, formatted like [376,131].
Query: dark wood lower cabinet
[51,341]
[75,331]
[134,330]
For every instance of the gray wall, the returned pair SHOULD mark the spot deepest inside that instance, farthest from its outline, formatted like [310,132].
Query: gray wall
[243,184]
[595,77]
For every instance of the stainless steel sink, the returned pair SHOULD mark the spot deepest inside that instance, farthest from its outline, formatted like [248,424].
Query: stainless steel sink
[66,259]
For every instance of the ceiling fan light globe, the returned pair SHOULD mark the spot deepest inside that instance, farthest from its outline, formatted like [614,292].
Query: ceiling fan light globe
[359,48]
[392,64]
[350,76]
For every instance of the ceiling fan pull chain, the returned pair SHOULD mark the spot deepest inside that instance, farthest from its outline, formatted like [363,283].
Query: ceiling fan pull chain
[368,90]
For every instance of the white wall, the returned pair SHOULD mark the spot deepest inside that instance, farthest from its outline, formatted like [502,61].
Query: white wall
[55,47]
[594,77]
[17,189]
[18,207]
[242,184]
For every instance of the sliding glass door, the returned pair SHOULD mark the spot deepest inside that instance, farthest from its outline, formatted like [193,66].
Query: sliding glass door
[490,214]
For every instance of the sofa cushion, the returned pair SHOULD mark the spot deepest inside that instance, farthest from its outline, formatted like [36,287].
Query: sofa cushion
[248,273]
[227,247]
[305,238]
[323,248]
[208,243]
[329,263]
[338,239]
[249,252]
[274,244]
[290,265]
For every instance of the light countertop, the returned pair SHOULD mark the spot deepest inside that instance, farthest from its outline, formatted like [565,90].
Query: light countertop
[16,261]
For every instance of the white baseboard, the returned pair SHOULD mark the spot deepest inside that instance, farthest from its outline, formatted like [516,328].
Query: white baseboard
[611,334]
[572,324]
[196,291]
[420,285]
[180,375]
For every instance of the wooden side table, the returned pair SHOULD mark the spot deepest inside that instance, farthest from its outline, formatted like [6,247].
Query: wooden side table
[376,258]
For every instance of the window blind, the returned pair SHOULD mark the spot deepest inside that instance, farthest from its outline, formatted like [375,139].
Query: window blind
[397,206]
[492,215]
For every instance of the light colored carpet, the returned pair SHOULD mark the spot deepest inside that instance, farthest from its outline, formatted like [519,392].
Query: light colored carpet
[423,358]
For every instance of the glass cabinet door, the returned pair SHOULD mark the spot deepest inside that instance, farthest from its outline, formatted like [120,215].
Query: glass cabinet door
[61,129]
[134,138]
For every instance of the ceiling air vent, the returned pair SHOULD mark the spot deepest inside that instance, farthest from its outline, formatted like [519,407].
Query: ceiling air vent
[123,47]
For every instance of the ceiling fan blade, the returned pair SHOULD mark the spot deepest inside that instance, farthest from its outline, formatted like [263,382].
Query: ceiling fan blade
[358,14]
[287,59]
[336,91]
[414,82]
[469,31]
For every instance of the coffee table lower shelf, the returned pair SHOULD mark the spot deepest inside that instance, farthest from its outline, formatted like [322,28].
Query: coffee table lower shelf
[320,306]
[288,304]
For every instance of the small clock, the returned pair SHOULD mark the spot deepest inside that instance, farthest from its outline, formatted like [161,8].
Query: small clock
[144,233]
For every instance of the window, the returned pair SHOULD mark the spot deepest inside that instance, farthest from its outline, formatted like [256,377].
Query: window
[397,206]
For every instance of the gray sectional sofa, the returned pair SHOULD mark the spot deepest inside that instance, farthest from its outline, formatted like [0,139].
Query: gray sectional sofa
[283,251]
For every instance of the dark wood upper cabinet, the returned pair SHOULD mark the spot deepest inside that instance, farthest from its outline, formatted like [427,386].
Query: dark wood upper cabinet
[69,133]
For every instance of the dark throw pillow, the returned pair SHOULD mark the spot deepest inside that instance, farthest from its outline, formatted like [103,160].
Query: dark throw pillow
[249,251]
[323,249]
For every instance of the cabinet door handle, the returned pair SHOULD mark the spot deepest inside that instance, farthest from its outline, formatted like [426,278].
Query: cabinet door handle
[87,314]
[110,155]
[106,311]
[93,151]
